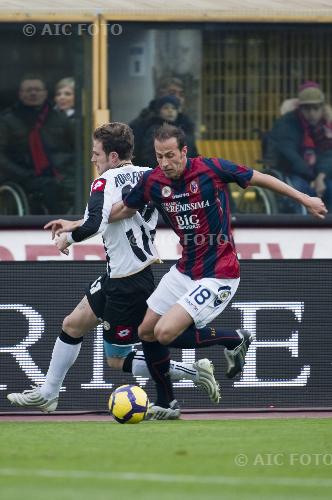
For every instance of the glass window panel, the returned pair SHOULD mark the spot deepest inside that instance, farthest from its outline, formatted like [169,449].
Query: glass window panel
[234,78]
[44,114]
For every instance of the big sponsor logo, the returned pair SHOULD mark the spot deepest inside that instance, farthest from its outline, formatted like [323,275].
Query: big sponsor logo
[187,221]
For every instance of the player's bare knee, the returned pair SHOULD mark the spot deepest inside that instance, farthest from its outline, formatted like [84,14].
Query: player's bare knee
[115,363]
[145,334]
[69,326]
[163,334]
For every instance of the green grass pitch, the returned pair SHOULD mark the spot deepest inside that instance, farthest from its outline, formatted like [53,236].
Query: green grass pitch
[180,460]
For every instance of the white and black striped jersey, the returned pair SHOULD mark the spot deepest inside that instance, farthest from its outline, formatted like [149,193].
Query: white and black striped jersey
[129,242]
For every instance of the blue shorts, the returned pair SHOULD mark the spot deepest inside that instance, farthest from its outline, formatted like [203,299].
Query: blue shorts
[116,351]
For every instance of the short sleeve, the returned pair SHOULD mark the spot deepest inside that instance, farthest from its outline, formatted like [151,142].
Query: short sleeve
[137,198]
[228,171]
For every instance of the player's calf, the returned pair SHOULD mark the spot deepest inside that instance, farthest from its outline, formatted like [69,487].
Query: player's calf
[115,363]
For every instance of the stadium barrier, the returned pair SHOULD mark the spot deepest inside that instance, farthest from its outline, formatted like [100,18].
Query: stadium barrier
[286,302]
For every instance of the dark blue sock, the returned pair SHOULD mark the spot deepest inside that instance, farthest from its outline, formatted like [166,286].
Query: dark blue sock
[157,358]
[128,362]
[204,337]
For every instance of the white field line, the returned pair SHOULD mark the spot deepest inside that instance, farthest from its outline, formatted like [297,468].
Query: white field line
[169,478]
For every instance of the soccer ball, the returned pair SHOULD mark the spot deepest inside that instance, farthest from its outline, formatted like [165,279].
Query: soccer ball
[128,404]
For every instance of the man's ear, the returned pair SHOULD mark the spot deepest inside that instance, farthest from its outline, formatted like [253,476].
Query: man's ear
[113,156]
[184,150]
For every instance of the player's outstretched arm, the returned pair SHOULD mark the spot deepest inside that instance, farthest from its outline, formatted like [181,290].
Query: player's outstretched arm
[314,205]
[60,226]
[120,211]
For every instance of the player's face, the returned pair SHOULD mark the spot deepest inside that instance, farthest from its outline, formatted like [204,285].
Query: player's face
[101,161]
[171,159]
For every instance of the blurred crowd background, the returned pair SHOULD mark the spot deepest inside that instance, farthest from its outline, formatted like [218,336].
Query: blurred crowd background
[256,94]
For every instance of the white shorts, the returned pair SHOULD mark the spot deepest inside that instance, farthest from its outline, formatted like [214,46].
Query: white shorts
[203,299]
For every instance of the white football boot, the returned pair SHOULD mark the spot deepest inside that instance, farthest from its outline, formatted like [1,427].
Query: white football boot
[206,380]
[155,412]
[32,398]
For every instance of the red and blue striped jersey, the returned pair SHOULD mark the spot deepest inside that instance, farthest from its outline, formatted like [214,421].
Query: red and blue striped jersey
[197,207]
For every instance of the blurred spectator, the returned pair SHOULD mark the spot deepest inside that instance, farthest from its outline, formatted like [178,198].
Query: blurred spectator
[166,110]
[65,96]
[302,144]
[293,103]
[36,148]
[289,105]
[167,87]
[172,86]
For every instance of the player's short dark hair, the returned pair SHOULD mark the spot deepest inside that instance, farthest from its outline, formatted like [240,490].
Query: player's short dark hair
[167,131]
[116,136]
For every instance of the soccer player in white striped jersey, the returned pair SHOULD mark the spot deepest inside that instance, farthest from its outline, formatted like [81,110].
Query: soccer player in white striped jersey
[117,298]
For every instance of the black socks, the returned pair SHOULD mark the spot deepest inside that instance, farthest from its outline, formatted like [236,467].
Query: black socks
[67,339]
[203,337]
[157,358]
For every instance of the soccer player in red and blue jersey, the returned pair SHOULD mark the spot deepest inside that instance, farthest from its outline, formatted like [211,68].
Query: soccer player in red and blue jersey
[192,195]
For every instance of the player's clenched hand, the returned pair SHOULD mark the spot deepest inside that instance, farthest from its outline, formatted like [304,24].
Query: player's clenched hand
[60,226]
[62,244]
[316,207]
